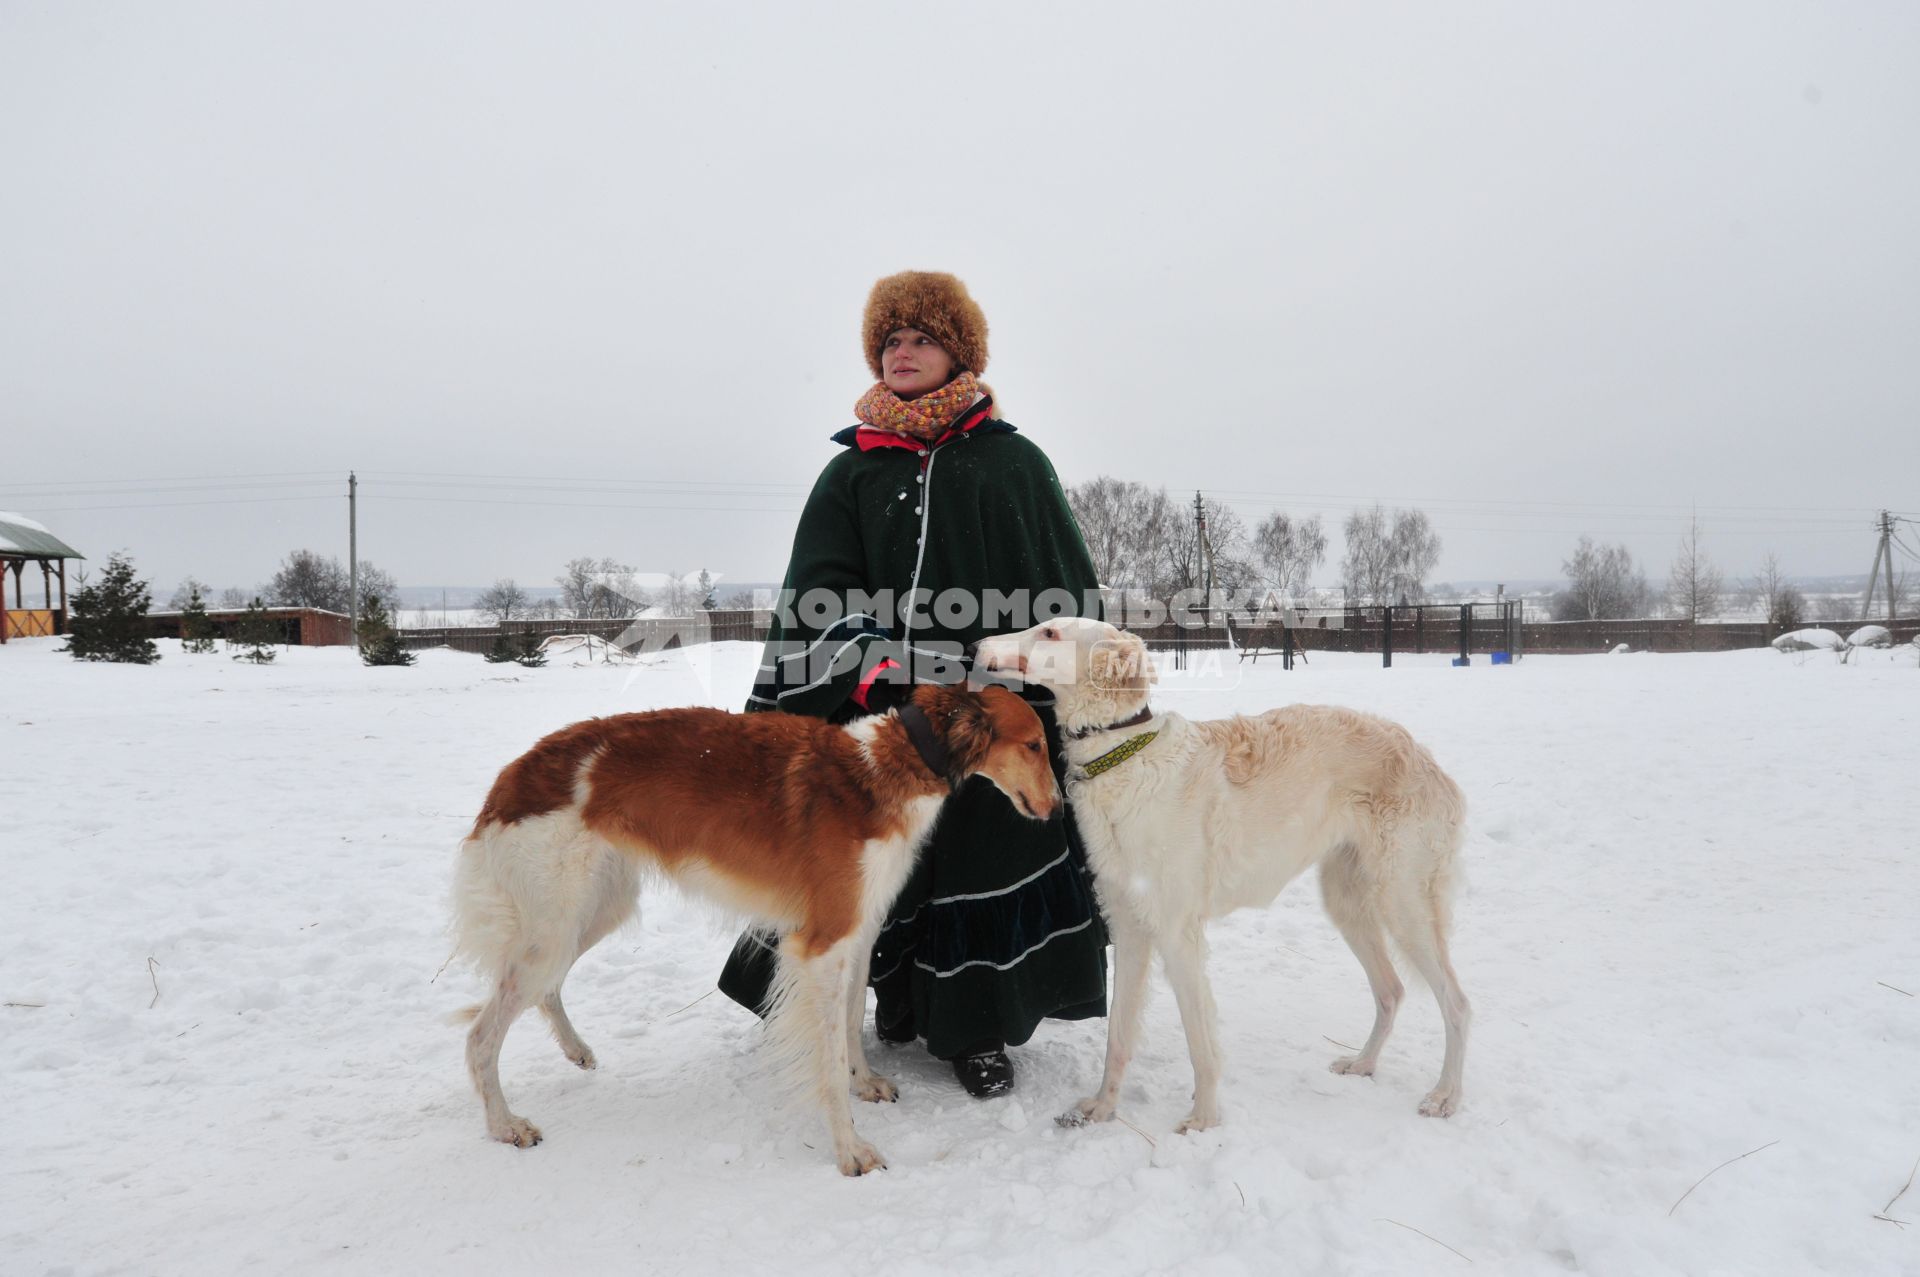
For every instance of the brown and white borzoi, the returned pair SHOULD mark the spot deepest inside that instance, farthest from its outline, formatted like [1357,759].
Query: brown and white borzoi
[808,827]
[1201,818]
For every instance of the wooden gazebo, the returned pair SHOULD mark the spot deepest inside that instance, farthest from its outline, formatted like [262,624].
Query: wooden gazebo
[24,541]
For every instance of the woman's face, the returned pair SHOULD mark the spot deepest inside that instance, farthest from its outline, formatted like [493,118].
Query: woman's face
[912,363]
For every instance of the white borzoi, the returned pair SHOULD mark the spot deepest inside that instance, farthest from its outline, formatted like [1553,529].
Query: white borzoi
[1186,821]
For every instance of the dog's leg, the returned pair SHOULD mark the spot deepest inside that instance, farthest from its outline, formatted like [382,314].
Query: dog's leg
[1369,944]
[571,1044]
[867,1084]
[483,1058]
[1186,961]
[1426,947]
[816,1009]
[613,905]
[1132,955]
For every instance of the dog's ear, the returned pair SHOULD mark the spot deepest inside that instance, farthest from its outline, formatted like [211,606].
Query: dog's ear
[968,729]
[1120,665]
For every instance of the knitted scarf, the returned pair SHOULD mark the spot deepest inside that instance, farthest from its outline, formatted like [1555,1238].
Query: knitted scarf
[925,418]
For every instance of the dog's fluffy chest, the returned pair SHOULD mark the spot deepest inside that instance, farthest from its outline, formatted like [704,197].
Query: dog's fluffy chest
[1139,850]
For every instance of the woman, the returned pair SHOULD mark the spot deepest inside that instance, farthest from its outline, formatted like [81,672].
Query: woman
[936,510]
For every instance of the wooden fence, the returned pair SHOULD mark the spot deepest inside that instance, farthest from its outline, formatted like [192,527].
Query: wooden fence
[1420,628]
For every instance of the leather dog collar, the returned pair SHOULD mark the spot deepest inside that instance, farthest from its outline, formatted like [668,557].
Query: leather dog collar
[1145,713]
[932,749]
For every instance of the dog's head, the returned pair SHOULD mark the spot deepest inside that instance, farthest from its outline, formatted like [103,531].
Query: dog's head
[1099,672]
[991,732]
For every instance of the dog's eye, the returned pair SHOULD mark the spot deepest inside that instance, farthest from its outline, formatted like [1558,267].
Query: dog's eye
[1034,745]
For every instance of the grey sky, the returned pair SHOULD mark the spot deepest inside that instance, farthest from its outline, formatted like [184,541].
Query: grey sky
[1538,269]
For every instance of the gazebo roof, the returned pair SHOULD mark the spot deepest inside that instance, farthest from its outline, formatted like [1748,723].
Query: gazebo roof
[21,537]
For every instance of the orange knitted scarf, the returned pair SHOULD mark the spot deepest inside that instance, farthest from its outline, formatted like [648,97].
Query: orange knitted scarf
[925,418]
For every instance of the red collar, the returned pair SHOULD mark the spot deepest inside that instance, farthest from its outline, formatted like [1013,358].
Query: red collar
[868,438]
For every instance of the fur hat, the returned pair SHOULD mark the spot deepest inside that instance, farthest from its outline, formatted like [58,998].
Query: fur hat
[938,305]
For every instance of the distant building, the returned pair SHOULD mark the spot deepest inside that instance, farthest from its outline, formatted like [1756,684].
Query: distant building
[22,542]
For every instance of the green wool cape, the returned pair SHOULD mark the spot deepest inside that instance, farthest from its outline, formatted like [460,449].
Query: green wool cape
[997,927]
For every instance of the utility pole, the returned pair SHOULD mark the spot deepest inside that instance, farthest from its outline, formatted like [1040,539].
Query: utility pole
[1882,554]
[353,556]
[1205,547]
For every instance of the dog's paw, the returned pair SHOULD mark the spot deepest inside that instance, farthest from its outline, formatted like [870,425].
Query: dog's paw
[875,1089]
[1198,1121]
[1094,1109]
[517,1131]
[1352,1065]
[584,1058]
[1440,1102]
[861,1158]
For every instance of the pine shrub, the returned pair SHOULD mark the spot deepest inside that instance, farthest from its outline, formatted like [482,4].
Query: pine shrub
[108,617]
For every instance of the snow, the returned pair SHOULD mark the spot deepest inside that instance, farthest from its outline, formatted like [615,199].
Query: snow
[1688,925]
[1871,636]
[1809,640]
[19,521]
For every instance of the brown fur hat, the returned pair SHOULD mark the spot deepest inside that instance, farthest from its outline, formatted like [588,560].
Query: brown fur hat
[938,305]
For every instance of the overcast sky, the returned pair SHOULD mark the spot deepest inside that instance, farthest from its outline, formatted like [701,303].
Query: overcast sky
[562,279]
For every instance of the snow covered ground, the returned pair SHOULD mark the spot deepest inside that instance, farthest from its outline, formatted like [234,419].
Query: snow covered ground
[1692,880]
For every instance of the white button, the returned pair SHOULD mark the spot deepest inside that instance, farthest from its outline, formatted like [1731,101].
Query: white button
[923,452]
[919,478]
[916,509]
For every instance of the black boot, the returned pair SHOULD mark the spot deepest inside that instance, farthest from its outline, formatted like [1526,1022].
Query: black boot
[985,1072]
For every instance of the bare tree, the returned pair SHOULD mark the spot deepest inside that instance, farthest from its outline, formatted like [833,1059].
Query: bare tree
[1388,559]
[183,594]
[1779,601]
[1602,584]
[1128,528]
[738,601]
[503,601]
[1367,567]
[307,579]
[1289,550]
[674,596]
[1416,549]
[1694,584]
[235,597]
[595,589]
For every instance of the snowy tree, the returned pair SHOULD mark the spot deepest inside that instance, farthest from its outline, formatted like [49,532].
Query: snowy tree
[503,601]
[1602,584]
[196,631]
[107,619]
[704,587]
[1694,584]
[255,634]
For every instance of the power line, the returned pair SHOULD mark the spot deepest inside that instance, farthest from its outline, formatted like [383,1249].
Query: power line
[175,505]
[185,478]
